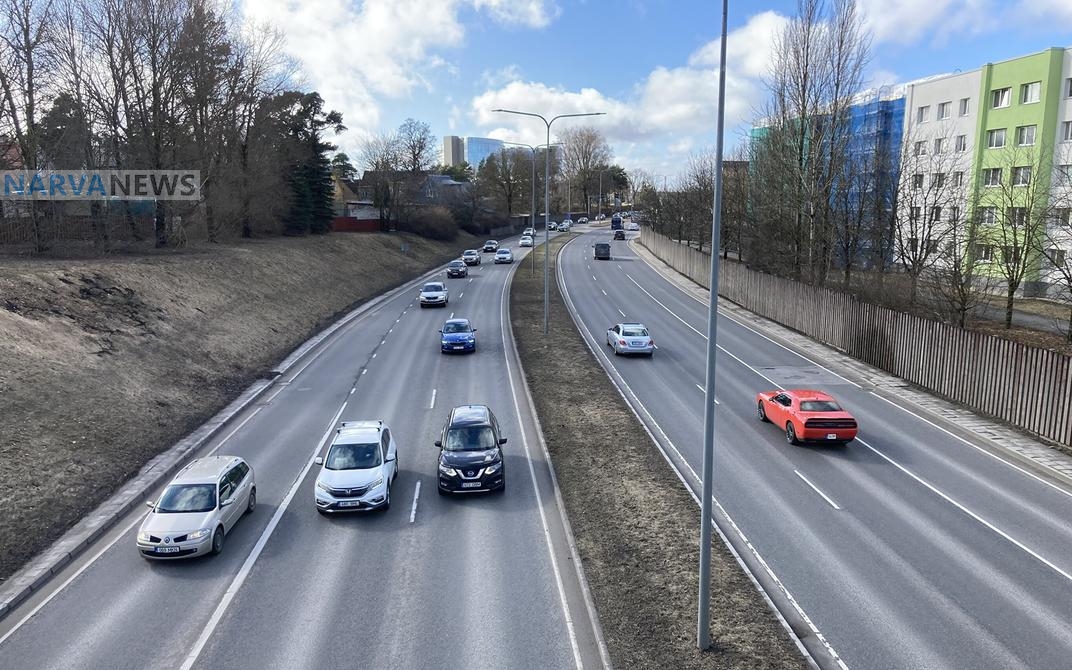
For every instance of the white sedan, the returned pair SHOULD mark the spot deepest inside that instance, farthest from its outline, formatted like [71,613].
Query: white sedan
[630,338]
[526,241]
[504,256]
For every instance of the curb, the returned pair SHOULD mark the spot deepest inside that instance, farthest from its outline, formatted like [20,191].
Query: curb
[40,569]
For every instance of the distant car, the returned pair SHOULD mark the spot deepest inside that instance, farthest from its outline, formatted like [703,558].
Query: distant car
[457,269]
[457,335]
[602,251]
[565,226]
[198,508]
[583,220]
[619,234]
[359,469]
[806,416]
[471,257]
[551,225]
[601,217]
[615,222]
[630,338]
[531,232]
[434,294]
[504,256]
[632,225]
[491,245]
[526,241]
[470,452]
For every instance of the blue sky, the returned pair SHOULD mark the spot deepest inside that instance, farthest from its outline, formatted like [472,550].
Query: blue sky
[650,64]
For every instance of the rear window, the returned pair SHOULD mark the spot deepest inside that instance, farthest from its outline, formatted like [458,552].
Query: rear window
[819,406]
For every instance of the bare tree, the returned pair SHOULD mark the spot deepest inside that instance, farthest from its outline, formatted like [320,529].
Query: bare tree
[506,177]
[382,158]
[1056,247]
[417,146]
[959,280]
[584,152]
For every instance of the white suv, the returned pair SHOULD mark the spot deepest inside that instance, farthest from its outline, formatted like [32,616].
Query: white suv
[198,508]
[359,469]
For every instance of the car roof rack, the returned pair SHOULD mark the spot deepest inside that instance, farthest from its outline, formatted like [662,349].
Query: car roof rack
[370,423]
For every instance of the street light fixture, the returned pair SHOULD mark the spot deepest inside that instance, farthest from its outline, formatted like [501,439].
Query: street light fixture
[547,204]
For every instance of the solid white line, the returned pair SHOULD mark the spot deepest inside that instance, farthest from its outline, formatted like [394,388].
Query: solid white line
[416,495]
[970,513]
[620,267]
[354,389]
[504,313]
[622,313]
[604,292]
[374,355]
[384,340]
[977,447]
[244,571]
[816,489]
[364,371]
[67,582]
[702,390]
[390,330]
[432,404]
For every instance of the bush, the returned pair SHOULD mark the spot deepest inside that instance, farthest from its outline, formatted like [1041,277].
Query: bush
[435,223]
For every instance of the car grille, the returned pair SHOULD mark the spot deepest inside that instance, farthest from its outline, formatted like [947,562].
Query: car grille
[349,493]
[830,423]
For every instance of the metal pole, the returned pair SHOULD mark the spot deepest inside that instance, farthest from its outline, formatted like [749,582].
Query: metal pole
[546,231]
[600,203]
[703,626]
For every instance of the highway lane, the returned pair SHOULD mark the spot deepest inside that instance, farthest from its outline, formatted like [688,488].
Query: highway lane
[470,582]
[937,555]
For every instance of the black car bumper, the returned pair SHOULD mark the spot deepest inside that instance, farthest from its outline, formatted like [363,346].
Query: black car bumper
[484,484]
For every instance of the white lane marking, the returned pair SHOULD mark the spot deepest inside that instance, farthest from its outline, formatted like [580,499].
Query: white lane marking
[461,295]
[470,280]
[689,326]
[398,319]
[604,292]
[244,571]
[594,278]
[67,582]
[620,267]
[622,313]
[354,389]
[364,371]
[504,313]
[383,341]
[976,447]
[374,355]
[703,391]
[962,508]
[390,330]
[416,496]
[432,404]
[451,315]
[816,489]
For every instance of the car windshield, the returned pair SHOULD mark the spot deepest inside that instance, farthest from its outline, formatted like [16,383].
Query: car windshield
[635,332]
[179,498]
[470,252]
[353,457]
[470,438]
[432,288]
[456,328]
[819,406]
[457,264]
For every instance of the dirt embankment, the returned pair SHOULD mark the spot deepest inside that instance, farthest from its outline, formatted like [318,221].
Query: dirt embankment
[105,363]
[637,528]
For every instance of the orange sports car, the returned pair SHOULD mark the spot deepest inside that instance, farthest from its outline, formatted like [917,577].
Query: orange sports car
[806,416]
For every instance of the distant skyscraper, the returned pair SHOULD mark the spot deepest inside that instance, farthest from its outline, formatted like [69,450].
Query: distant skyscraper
[479,148]
[453,151]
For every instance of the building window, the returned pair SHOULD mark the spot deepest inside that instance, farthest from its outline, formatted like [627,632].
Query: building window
[1011,254]
[984,252]
[961,144]
[939,145]
[1066,131]
[936,214]
[913,245]
[921,148]
[1025,136]
[964,106]
[1001,97]
[988,216]
[938,179]
[913,214]
[1056,257]
[1030,93]
[1063,177]
[917,181]
[923,113]
[1021,176]
[1068,87]
[943,110]
[954,214]
[1018,216]
[995,139]
[958,179]
[991,176]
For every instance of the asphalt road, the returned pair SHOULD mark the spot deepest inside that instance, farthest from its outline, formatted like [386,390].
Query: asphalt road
[471,581]
[909,548]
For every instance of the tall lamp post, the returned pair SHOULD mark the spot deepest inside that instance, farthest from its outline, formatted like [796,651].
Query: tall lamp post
[532,215]
[599,204]
[547,204]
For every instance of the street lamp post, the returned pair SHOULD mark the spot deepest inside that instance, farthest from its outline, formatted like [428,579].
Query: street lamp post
[532,209]
[599,204]
[547,204]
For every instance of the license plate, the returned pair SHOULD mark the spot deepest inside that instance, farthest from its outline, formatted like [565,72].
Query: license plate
[167,550]
[350,503]
[459,346]
[470,485]
[831,436]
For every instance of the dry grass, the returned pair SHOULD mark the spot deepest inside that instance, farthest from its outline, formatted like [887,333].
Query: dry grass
[637,528]
[105,363]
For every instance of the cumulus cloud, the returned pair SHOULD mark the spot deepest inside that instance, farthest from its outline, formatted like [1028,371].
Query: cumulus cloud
[909,21]
[528,13]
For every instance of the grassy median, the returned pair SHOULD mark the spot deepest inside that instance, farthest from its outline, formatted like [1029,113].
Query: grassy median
[636,527]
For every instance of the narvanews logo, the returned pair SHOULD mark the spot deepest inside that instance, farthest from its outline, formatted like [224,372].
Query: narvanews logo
[100,185]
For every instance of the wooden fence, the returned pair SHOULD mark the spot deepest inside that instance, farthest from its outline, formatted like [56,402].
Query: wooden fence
[1028,387]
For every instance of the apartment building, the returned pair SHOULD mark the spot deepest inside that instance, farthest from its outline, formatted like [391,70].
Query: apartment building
[453,151]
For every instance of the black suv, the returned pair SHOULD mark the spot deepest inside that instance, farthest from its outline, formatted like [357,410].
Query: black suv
[457,269]
[470,452]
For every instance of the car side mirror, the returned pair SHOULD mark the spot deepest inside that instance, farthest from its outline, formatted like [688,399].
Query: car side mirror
[439,443]
[227,503]
[151,504]
[319,460]
[474,330]
[441,330]
[502,440]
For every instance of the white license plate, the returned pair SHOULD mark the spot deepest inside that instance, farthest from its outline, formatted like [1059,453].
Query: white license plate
[349,503]
[167,550]
[831,436]
[459,346]
[470,485]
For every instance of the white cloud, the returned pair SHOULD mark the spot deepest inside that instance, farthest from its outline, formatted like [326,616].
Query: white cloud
[529,13]
[750,49]
[909,21]
[1057,10]
[504,75]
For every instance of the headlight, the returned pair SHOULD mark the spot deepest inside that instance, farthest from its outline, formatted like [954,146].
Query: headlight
[447,470]
[198,534]
[471,339]
[493,468]
[444,342]
[322,486]
[376,483]
[143,536]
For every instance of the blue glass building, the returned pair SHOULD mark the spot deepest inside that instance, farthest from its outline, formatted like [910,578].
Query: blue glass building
[479,148]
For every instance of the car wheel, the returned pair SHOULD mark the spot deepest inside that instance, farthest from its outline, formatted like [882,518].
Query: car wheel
[441,491]
[762,413]
[321,512]
[387,501]
[252,502]
[791,433]
[217,541]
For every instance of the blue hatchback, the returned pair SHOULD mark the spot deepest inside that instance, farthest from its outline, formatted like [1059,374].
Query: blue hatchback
[457,335]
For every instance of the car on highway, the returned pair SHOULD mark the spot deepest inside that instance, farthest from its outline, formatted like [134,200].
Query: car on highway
[551,225]
[504,256]
[583,220]
[197,509]
[456,336]
[526,241]
[619,234]
[470,452]
[806,416]
[433,294]
[457,269]
[565,226]
[615,222]
[471,257]
[490,245]
[630,338]
[530,232]
[602,251]
[632,225]
[359,469]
